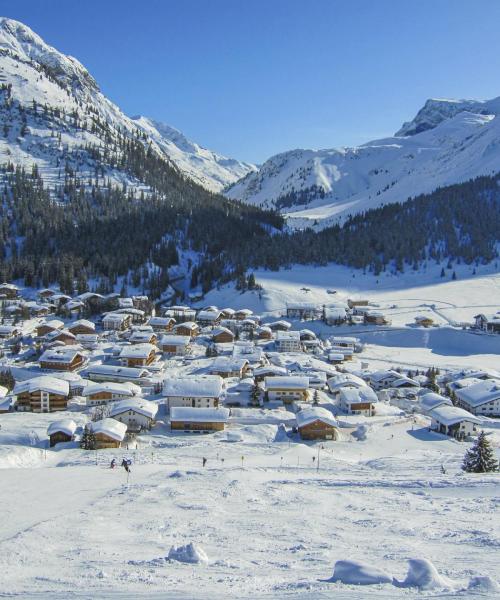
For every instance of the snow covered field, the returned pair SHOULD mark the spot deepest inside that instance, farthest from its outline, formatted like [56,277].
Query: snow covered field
[271,524]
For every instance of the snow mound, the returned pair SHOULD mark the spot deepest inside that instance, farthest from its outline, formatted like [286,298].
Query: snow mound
[483,583]
[234,436]
[357,573]
[424,575]
[281,434]
[191,553]
[360,433]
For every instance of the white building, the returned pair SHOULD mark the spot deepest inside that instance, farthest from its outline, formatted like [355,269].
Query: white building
[358,401]
[136,413]
[196,392]
[431,400]
[288,341]
[481,398]
[109,391]
[453,421]
[287,389]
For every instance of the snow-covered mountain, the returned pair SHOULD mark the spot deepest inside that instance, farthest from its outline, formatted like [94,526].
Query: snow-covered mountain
[447,142]
[52,111]
[209,169]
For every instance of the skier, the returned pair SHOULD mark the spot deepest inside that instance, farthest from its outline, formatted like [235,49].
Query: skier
[204,461]
[113,463]
[126,465]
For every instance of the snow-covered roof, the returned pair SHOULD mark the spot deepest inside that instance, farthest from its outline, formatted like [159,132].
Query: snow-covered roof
[113,370]
[308,415]
[480,392]
[125,389]
[54,334]
[384,374]
[172,339]
[341,380]
[208,315]
[338,339]
[302,306]
[269,369]
[64,354]
[67,426]
[405,381]
[188,325]
[287,382]
[54,323]
[138,405]
[111,428]
[137,351]
[141,336]
[284,336]
[244,311]
[450,415]
[358,395]
[161,321]
[207,386]
[432,400]
[199,415]
[81,323]
[115,317]
[220,330]
[46,383]
[227,364]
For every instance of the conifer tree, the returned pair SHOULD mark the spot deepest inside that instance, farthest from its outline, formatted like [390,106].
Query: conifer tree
[480,458]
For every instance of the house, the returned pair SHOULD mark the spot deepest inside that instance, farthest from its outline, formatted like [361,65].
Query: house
[138,375]
[260,373]
[115,321]
[488,323]
[342,343]
[431,400]
[453,421]
[38,310]
[303,310]
[73,307]
[334,315]
[62,336]
[317,379]
[46,294]
[82,327]
[61,431]
[374,317]
[358,401]
[250,325]
[177,345]
[125,303]
[316,423]
[279,326]
[287,389]
[222,335]
[226,366]
[9,291]
[108,433]
[255,355]
[380,380]
[48,326]
[227,313]
[181,314]
[161,324]
[143,337]
[288,341]
[352,303]
[198,419]
[9,332]
[62,359]
[136,314]
[344,380]
[335,358]
[242,314]
[138,355]
[87,340]
[264,333]
[481,398]
[195,392]
[187,328]
[97,394]
[41,394]
[424,321]
[136,413]
[206,318]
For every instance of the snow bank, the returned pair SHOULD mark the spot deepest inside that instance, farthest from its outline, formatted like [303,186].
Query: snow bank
[424,575]
[360,433]
[357,573]
[191,553]
[483,584]
[234,436]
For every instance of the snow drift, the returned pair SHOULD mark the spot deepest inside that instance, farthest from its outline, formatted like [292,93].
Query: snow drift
[358,573]
[191,553]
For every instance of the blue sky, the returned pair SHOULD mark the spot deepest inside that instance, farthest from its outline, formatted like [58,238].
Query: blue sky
[256,77]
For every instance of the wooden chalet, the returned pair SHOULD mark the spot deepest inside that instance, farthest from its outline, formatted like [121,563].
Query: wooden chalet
[41,394]
[61,432]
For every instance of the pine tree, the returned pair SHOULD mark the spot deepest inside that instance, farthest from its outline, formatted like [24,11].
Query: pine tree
[480,458]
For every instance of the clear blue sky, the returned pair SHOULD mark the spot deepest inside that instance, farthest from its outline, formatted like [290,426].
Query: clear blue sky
[250,78]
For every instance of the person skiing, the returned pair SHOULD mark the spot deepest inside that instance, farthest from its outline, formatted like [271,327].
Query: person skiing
[126,465]
[204,461]
[113,463]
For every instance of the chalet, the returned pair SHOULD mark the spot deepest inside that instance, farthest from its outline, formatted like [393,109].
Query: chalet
[73,307]
[87,340]
[344,380]
[115,321]
[38,310]
[424,321]
[97,394]
[316,423]
[482,398]
[46,294]
[342,343]
[303,310]
[279,326]
[431,400]
[334,315]
[138,355]
[5,404]
[247,350]
[82,326]
[335,358]
[136,413]
[137,315]
[249,325]
[177,345]
[47,326]
[206,318]
[41,394]
[352,304]
[358,401]
[222,335]
[60,299]
[108,433]
[119,374]
[264,333]
[9,291]
[453,421]
[242,314]
[161,324]
[90,300]
[288,341]
[9,332]
[287,389]
[181,314]
[227,313]
[317,379]
[260,373]
[125,303]
[62,336]
[61,432]
[226,366]
[488,323]
[143,337]
[374,317]
[311,346]
[307,334]
[187,328]
[380,380]
[195,392]
[142,303]
[198,419]
[61,359]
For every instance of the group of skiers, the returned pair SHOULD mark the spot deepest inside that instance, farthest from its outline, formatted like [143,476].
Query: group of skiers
[126,462]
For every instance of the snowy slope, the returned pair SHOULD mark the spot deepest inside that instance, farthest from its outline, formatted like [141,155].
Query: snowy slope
[447,142]
[209,169]
[63,111]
